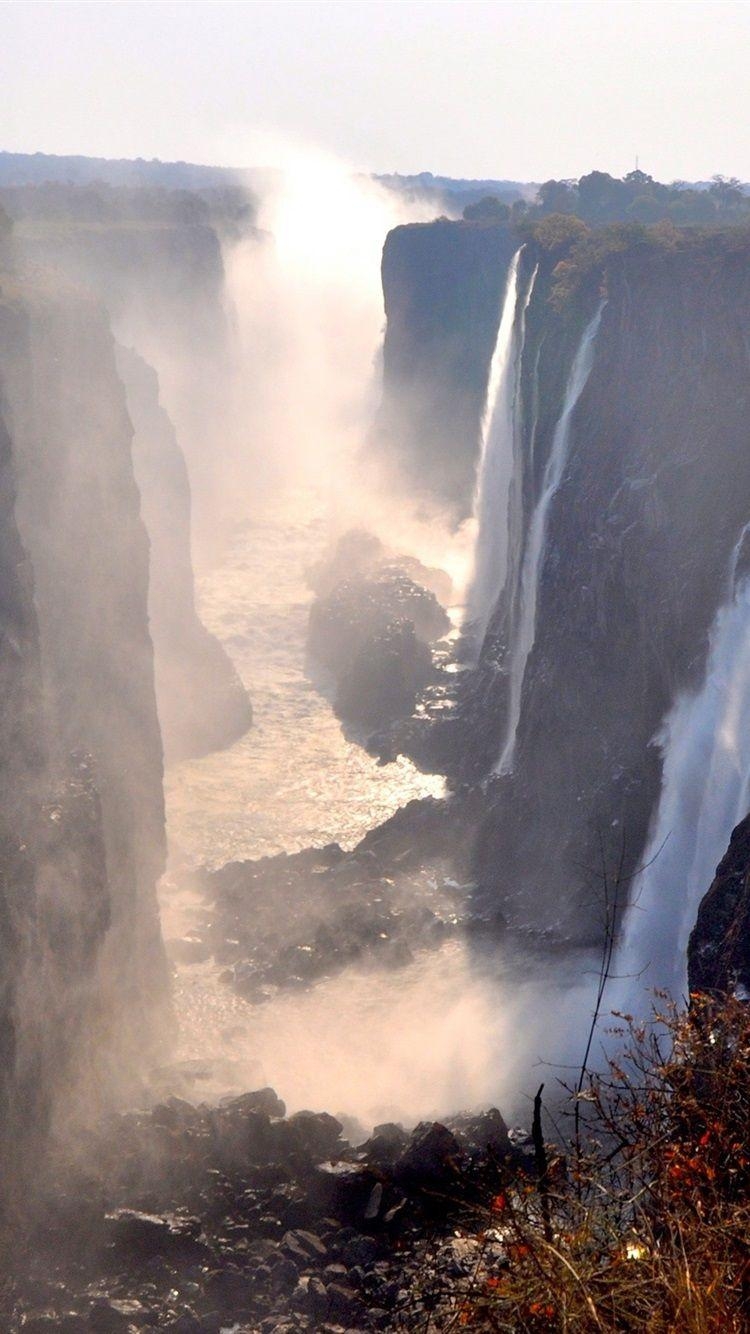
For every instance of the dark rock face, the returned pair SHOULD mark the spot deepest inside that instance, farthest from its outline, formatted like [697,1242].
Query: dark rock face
[719,947]
[443,284]
[201,701]
[23,779]
[359,554]
[639,535]
[96,849]
[372,635]
[342,623]
[432,1157]
[384,676]
[639,538]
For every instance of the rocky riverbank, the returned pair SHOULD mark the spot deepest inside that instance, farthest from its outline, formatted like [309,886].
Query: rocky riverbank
[196,1220]
[285,922]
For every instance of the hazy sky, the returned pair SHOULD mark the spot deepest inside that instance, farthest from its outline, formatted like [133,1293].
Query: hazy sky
[459,87]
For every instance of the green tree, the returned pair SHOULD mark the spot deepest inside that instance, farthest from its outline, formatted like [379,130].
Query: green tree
[489,209]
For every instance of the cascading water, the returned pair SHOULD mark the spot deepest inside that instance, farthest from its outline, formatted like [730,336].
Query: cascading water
[532,563]
[706,746]
[495,468]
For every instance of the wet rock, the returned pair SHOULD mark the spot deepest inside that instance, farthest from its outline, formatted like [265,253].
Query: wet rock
[432,1157]
[304,1247]
[359,555]
[262,1100]
[341,1189]
[385,1144]
[482,1132]
[143,1234]
[719,945]
[53,1324]
[344,1304]
[296,918]
[242,1136]
[361,1251]
[384,676]
[111,1316]
[186,1323]
[317,1298]
[315,1133]
[227,1289]
[358,610]
[285,1271]
[174,1114]
[374,1202]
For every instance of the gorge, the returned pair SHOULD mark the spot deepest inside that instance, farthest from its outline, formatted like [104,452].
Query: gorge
[444,646]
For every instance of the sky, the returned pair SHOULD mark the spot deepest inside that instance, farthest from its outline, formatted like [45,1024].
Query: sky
[523,91]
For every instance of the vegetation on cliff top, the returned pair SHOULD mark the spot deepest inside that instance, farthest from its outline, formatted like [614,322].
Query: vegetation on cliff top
[581,254]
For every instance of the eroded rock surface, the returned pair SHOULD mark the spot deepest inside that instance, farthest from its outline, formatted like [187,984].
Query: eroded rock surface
[194,1219]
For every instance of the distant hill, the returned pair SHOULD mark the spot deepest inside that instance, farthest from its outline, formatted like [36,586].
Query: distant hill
[38,168]
[453,193]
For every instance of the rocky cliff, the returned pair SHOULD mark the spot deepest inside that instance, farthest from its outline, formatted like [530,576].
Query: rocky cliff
[442,284]
[639,534]
[719,946]
[153,259]
[83,817]
[639,540]
[202,703]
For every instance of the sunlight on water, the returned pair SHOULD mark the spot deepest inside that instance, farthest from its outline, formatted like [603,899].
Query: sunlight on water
[294,779]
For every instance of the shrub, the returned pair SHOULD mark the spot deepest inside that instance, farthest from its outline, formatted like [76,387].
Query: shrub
[649,1208]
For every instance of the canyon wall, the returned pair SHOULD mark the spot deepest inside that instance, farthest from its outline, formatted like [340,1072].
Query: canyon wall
[639,540]
[202,703]
[719,947]
[443,284]
[85,999]
[639,535]
[154,260]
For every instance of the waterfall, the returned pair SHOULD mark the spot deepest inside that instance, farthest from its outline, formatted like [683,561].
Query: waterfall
[495,467]
[523,641]
[706,746]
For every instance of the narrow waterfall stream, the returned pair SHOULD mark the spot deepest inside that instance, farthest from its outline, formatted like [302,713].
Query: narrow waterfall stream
[495,467]
[534,555]
[498,491]
[706,746]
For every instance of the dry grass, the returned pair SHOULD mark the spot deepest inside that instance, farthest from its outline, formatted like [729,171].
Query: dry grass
[649,1210]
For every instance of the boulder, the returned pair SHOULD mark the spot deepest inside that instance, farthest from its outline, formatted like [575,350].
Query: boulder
[383,679]
[432,1157]
[304,1247]
[144,1235]
[359,610]
[482,1132]
[316,1134]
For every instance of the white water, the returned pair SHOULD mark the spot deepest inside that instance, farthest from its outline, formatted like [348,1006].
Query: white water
[495,467]
[535,546]
[706,746]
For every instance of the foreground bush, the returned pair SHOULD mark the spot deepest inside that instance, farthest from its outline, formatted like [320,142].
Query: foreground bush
[643,1222]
